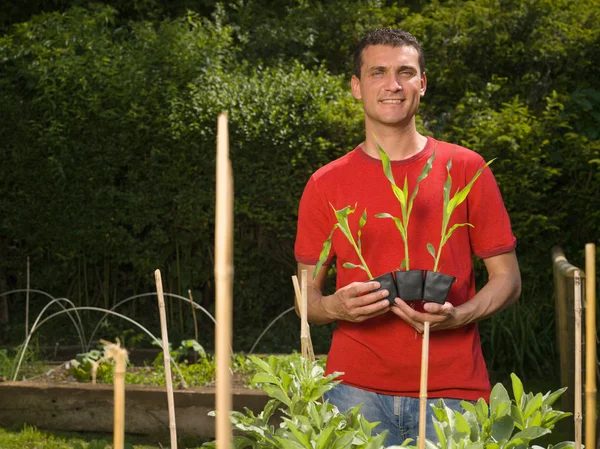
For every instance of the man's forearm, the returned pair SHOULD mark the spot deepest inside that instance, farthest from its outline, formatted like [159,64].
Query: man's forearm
[502,290]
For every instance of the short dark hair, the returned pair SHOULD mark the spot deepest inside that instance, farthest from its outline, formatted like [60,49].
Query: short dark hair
[391,37]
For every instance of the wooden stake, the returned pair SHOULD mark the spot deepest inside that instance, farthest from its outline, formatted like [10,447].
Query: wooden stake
[307,350]
[423,390]
[224,279]
[167,359]
[119,354]
[590,346]
[578,411]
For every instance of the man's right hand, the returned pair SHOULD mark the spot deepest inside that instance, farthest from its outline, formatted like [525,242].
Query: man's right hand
[356,302]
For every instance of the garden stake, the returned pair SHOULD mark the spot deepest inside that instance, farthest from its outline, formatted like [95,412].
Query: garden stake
[590,345]
[119,354]
[302,301]
[577,417]
[224,279]
[195,322]
[167,359]
[423,390]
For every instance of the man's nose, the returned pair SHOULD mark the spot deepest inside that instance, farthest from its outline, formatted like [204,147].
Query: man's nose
[393,83]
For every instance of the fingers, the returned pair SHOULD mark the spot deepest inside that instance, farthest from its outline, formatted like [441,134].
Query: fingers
[439,315]
[358,302]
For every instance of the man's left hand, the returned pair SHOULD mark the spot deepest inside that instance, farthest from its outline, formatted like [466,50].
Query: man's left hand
[441,316]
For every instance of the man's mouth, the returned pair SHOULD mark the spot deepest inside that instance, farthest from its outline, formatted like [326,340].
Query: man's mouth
[392,101]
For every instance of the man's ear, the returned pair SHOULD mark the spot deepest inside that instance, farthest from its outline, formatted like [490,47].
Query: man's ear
[355,84]
[423,84]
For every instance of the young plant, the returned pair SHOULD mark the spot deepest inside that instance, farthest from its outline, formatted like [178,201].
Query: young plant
[450,205]
[402,195]
[505,423]
[296,389]
[342,224]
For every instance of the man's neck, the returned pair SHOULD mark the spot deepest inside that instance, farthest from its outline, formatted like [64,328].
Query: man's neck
[399,143]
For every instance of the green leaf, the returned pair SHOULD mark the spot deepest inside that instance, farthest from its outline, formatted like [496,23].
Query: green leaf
[517,387]
[449,233]
[503,428]
[324,253]
[533,405]
[499,401]
[550,398]
[385,161]
[397,222]
[431,250]
[351,265]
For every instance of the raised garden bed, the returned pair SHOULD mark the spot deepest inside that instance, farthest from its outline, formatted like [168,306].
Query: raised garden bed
[85,407]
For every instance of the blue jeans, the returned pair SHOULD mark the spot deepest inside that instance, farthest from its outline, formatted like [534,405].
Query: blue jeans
[397,414]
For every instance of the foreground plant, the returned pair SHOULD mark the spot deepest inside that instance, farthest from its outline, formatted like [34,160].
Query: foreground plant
[342,224]
[504,424]
[296,389]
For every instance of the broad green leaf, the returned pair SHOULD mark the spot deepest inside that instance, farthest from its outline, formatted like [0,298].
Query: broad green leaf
[535,419]
[502,428]
[498,397]
[517,416]
[482,410]
[461,424]
[277,393]
[564,445]
[524,436]
[517,387]
[550,398]
[533,405]
[324,437]
[440,433]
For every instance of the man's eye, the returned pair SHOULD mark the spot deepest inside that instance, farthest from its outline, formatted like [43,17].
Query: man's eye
[406,74]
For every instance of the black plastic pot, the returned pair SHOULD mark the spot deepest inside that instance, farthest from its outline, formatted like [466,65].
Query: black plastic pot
[387,282]
[437,286]
[409,284]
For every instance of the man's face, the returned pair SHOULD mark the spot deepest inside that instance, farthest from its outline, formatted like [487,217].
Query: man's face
[390,86]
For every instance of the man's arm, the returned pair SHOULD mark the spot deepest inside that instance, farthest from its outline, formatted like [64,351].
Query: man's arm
[350,303]
[502,289]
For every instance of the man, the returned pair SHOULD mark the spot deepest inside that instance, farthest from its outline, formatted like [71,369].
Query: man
[376,343]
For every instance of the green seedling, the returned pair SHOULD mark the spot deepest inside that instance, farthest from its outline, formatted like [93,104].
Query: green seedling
[342,224]
[450,205]
[402,194]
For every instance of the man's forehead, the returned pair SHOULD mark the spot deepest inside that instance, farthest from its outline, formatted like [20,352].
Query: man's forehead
[387,55]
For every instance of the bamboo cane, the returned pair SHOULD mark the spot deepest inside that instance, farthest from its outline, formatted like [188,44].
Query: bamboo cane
[423,389]
[590,346]
[119,354]
[578,412]
[167,359]
[302,302]
[224,279]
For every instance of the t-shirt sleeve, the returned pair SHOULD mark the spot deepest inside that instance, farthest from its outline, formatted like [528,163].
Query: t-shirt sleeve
[314,225]
[491,233]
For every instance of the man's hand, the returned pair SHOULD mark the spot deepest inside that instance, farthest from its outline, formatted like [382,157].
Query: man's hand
[441,316]
[356,302]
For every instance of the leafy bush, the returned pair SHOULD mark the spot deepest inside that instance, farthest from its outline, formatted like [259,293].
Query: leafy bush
[297,385]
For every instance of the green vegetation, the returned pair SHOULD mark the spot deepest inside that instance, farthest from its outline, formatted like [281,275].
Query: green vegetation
[31,438]
[108,142]
[296,387]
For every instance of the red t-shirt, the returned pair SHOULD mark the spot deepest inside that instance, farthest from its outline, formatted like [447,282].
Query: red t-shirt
[383,354]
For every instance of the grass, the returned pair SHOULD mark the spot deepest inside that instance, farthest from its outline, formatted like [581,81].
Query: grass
[31,438]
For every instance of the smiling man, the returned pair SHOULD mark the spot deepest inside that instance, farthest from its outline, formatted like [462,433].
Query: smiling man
[377,344]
